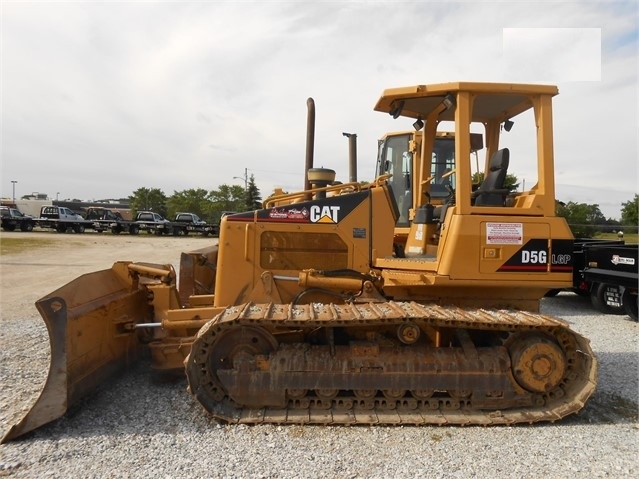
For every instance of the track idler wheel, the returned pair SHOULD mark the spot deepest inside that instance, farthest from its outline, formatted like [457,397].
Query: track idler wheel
[240,343]
[232,350]
[538,363]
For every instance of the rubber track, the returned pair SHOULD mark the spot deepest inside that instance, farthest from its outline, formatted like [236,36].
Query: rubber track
[577,386]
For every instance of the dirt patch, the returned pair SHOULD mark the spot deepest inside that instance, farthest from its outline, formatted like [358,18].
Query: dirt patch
[39,263]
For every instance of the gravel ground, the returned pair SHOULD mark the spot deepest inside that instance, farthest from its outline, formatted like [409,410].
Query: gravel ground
[135,427]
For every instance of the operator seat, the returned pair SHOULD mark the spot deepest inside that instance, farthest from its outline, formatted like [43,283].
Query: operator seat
[492,192]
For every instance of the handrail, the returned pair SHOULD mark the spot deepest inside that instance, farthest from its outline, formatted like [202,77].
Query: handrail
[355,186]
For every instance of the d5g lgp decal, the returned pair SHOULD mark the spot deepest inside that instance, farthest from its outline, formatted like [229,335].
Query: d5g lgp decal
[531,257]
[534,256]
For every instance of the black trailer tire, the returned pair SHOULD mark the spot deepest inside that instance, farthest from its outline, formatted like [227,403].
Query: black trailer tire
[133,230]
[116,230]
[78,229]
[581,292]
[631,304]
[61,228]
[26,227]
[598,297]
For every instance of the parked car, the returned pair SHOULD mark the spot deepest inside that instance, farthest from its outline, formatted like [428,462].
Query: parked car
[13,219]
[186,223]
[152,222]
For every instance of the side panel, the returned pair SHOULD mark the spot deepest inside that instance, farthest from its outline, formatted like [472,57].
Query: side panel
[334,233]
[486,261]
[506,248]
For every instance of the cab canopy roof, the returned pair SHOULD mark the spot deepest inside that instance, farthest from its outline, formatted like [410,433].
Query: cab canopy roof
[494,101]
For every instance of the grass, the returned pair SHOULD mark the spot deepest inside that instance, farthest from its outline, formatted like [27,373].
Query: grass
[628,238]
[18,245]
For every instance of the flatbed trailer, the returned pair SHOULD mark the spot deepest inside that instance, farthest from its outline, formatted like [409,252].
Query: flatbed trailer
[153,223]
[61,219]
[190,223]
[63,225]
[611,275]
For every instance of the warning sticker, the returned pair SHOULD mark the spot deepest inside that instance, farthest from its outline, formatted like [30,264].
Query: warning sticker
[504,233]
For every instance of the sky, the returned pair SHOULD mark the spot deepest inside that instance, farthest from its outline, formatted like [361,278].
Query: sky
[98,99]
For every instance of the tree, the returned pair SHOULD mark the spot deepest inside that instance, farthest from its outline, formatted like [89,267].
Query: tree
[148,199]
[253,200]
[192,201]
[511,182]
[629,212]
[582,218]
[227,198]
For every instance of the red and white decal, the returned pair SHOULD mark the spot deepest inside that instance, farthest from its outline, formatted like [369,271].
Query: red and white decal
[504,233]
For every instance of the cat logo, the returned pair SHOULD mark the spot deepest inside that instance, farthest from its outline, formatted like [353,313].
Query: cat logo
[324,214]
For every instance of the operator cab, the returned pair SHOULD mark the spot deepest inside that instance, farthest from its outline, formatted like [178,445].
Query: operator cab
[445,179]
[397,154]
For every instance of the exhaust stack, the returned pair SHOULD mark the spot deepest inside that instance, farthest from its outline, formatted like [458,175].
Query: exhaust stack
[310,141]
[352,156]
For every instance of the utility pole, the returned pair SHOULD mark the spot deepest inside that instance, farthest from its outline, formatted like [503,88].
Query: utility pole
[245,178]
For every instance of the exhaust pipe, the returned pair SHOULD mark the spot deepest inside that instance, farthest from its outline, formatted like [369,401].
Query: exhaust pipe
[352,156]
[310,142]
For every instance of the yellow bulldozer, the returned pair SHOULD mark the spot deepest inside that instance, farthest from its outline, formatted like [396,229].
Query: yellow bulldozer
[413,299]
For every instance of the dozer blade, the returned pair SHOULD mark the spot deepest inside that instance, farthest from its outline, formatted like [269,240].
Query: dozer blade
[90,324]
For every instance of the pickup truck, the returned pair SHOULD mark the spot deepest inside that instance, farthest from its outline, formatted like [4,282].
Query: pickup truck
[13,219]
[186,223]
[61,219]
[152,222]
[103,219]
